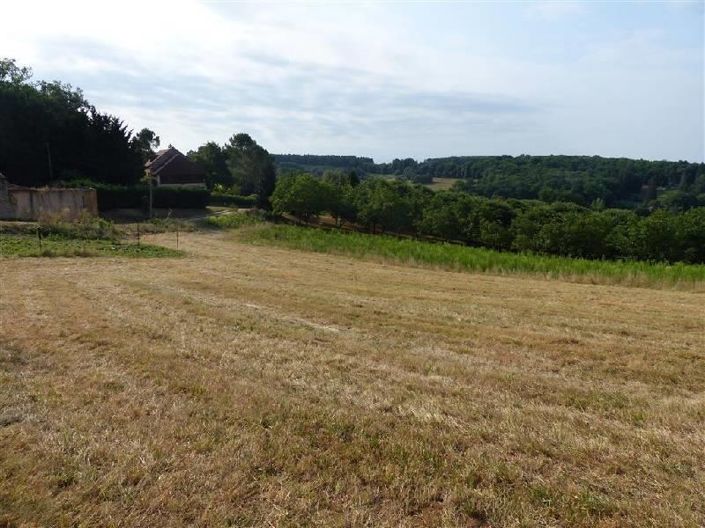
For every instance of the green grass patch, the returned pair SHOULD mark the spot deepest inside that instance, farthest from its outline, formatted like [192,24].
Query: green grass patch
[463,258]
[23,245]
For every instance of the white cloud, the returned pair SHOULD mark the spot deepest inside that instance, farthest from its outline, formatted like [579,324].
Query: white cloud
[372,78]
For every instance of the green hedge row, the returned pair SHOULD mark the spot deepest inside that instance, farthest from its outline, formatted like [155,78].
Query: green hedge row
[233,200]
[137,197]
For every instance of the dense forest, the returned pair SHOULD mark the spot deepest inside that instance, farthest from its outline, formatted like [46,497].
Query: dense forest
[615,182]
[315,164]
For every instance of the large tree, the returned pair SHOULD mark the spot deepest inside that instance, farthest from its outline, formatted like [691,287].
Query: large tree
[251,167]
[214,160]
[49,131]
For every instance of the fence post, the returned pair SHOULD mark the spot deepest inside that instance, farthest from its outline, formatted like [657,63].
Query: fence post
[138,234]
[177,236]
[39,237]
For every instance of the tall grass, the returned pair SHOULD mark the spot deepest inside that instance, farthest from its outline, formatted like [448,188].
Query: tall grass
[463,258]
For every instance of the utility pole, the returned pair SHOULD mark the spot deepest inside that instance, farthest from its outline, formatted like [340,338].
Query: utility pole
[151,182]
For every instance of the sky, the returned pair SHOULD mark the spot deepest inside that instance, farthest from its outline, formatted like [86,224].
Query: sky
[384,79]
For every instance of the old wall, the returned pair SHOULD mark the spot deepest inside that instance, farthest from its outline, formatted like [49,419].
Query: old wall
[32,204]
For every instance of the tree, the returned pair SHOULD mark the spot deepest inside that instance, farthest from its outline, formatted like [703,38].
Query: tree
[213,159]
[49,131]
[145,142]
[301,195]
[385,204]
[251,167]
[339,192]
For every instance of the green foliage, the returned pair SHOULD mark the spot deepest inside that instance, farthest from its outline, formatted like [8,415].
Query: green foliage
[559,228]
[60,246]
[616,182]
[233,200]
[390,205]
[301,195]
[457,257]
[233,220]
[85,228]
[137,196]
[49,131]
[214,160]
[241,164]
[146,142]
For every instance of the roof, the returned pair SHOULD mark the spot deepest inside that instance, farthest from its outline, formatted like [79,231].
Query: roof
[172,167]
[162,159]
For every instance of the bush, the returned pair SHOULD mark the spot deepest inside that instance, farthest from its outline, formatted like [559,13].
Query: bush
[87,227]
[234,220]
[233,200]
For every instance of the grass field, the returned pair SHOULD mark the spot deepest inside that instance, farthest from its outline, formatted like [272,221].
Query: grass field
[463,258]
[442,184]
[251,385]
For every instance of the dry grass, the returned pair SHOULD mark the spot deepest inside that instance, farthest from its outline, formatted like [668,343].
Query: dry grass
[246,385]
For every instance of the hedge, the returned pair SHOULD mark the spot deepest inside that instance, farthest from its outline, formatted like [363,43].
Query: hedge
[137,197]
[230,200]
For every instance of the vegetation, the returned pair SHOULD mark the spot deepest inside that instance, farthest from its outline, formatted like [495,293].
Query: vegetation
[615,182]
[137,196]
[233,220]
[511,225]
[50,132]
[59,246]
[232,200]
[461,258]
[241,166]
[87,237]
[258,386]
[293,163]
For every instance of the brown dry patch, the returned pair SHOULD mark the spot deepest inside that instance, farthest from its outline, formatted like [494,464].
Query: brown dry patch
[254,386]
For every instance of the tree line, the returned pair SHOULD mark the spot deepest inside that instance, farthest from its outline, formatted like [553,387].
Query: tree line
[616,182]
[50,132]
[558,228]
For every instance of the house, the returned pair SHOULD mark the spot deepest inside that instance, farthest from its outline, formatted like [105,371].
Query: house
[170,168]
[29,203]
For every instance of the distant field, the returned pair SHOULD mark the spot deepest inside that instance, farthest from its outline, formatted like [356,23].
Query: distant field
[442,184]
[457,257]
[251,385]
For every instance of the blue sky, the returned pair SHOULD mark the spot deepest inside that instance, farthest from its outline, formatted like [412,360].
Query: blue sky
[387,79]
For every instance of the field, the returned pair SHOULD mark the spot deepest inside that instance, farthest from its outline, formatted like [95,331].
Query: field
[442,184]
[462,258]
[250,385]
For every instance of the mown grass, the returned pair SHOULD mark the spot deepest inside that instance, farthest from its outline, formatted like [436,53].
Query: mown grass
[463,258]
[257,386]
[59,246]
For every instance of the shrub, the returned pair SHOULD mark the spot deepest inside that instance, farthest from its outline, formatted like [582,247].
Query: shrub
[233,200]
